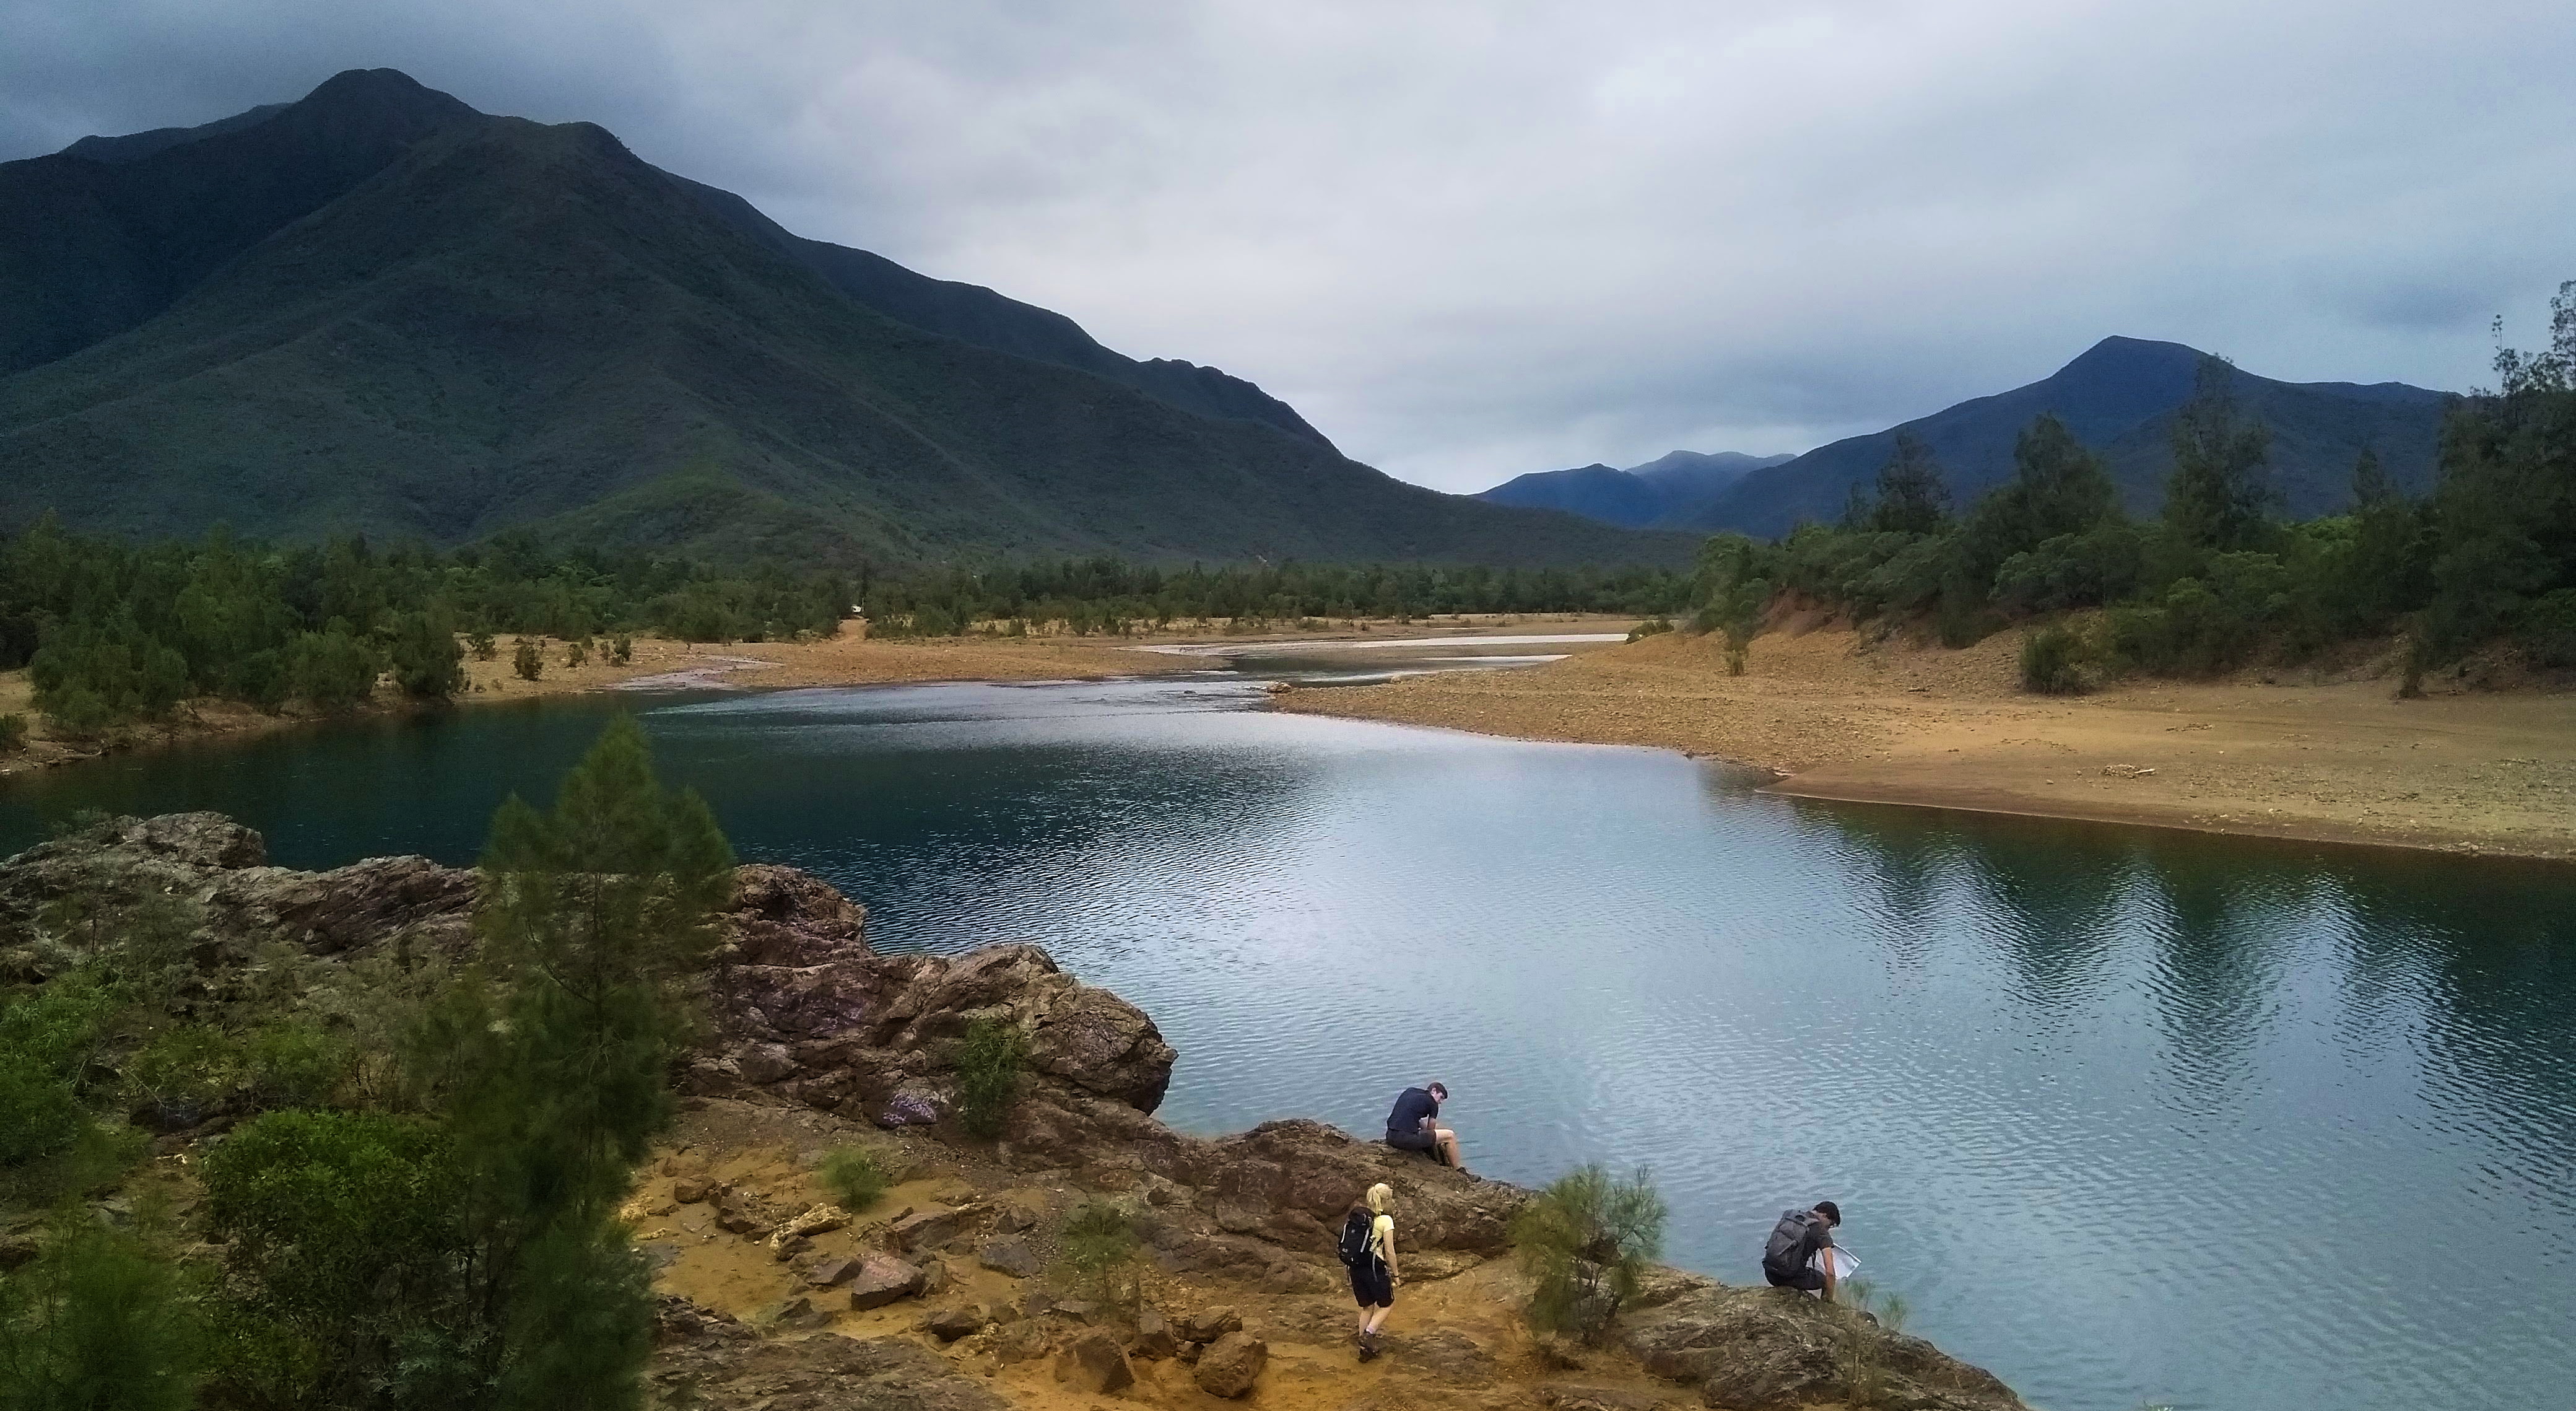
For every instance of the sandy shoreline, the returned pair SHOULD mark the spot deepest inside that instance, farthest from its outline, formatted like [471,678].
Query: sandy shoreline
[2339,761]
[848,659]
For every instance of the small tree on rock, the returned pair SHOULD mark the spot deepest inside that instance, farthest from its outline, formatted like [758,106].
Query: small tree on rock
[1585,1242]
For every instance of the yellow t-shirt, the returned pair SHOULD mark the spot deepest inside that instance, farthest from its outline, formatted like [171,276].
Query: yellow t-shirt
[1382,1235]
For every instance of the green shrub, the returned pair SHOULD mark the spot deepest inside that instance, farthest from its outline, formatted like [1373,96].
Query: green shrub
[622,649]
[1584,1242]
[294,1065]
[2548,630]
[482,645]
[2052,661]
[989,1060]
[13,733]
[40,1115]
[576,653]
[184,1069]
[97,1322]
[855,1177]
[1651,627]
[527,661]
[1097,1247]
[332,669]
[343,1237]
[427,661]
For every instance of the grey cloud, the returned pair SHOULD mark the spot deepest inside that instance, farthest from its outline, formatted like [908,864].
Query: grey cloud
[1474,239]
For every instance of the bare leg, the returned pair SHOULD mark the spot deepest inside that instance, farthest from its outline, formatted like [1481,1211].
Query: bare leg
[1448,1141]
[1376,1317]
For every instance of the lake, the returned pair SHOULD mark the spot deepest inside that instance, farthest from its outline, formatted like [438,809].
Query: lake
[2126,1115]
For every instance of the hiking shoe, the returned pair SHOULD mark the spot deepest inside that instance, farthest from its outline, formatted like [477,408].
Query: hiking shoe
[1368,1347]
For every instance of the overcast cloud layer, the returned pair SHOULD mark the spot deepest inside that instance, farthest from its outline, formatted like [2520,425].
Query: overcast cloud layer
[1469,240]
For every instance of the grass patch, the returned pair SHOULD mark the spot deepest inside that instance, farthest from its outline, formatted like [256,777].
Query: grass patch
[989,1061]
[855,1177]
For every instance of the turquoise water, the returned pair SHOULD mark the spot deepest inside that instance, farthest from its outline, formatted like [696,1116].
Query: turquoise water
[2126,1115]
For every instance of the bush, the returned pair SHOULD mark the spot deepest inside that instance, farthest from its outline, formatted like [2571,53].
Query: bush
[1651,627]
[342,1235]
[40,1116]
[2052,662]
[97,1322]
[576,653]
[2548,630]
[622,649]
[330,669]
[484,648]
[1097,1245]
[183,1071]
[13,733]
[427,661]
[1584,1242]
[526,660]
[854,1176]
[294,1065]
[989,1060]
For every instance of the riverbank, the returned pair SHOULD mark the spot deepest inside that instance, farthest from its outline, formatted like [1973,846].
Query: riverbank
[848,659]
[1841,718]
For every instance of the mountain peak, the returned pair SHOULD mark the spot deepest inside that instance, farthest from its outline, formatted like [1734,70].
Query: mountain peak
[2126,357]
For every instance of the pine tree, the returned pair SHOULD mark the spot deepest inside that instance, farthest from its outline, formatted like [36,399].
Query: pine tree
[1913,496]
[2218,497]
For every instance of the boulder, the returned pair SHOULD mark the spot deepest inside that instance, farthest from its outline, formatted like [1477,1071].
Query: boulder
[1154,1339]
[950,1324]
[1095,1363]
[1009,1255]
[1231,1364]
[1209,1324]
[688,1190]
[1452,1355]
[1758,1349]
[881,1279]
[930,1229]
[833,1272]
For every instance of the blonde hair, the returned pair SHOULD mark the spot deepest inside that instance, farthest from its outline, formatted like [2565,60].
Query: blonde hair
[1379,1195]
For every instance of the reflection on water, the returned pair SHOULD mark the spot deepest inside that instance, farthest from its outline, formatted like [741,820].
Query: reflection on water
[2127,1115]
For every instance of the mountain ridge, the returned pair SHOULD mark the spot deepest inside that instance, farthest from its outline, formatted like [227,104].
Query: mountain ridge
[512,325]
[1661,493]
[2118,397]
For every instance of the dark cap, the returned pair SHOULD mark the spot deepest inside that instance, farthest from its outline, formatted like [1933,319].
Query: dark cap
[1833,1213]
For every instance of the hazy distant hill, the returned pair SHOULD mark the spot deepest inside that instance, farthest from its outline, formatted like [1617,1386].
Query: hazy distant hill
[1668,492]
[378,310]
[2118,398]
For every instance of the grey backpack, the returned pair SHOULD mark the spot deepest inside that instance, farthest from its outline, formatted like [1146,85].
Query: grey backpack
[1792,1243]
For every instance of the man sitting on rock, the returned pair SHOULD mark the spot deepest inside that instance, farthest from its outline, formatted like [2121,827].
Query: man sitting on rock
[1789,1258]
[1412,1125]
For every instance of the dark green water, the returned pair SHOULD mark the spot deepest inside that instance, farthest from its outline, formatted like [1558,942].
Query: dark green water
[2128,1116]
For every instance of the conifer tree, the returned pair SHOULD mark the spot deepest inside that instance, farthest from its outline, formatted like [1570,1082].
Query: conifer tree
[2218,497]
[1913,497]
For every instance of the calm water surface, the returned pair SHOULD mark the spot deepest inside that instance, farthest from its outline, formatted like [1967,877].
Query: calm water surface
[2127,1116]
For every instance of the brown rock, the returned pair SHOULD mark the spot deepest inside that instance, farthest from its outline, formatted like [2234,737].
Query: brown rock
[930,1229]
[1154,1338]
[880,1280]
[1209,1324]
[832,1273]
[1451,1354]
[950,1324]
[1095,1363]
[687,1191]
[1231,1364]
[1010,1256]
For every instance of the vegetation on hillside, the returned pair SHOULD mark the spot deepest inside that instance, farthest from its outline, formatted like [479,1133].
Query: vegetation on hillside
[2219,579]
[416,1207]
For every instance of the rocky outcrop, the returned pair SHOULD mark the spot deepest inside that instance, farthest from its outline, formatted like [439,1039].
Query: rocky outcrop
[801,1008]
[1767,1349]
[705,1358]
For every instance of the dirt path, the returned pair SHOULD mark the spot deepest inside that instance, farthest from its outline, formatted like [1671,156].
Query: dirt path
[1891,723]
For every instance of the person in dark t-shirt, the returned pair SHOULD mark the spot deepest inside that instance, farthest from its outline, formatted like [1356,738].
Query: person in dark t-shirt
[1789,1256]
[1414,1124]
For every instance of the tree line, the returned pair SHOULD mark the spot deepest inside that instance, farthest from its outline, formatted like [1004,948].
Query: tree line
[2219,578]
[1116,596]
[113,632]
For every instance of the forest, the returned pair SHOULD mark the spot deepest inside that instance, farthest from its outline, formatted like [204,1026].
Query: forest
[2217,580]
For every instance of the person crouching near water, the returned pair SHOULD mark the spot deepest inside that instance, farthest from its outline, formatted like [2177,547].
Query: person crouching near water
[1413,1125]
[1368,1250]
[1789,1256]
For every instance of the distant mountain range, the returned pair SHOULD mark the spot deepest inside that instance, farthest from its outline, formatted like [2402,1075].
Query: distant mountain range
[2118,398]
[376,309]
[1669,492]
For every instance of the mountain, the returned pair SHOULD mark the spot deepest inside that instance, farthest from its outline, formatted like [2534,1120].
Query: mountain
[378,310]
[1667,492]
[2119,398]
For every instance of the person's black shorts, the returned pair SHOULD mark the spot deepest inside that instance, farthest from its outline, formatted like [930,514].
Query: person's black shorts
[1411,1141]
[1811,1280]
[1372,1285]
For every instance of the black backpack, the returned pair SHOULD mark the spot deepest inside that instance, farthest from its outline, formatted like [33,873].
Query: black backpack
[1356,1228]
[1792,1243]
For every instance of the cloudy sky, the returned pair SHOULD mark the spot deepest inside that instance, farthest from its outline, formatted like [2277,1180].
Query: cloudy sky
[1470,240]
